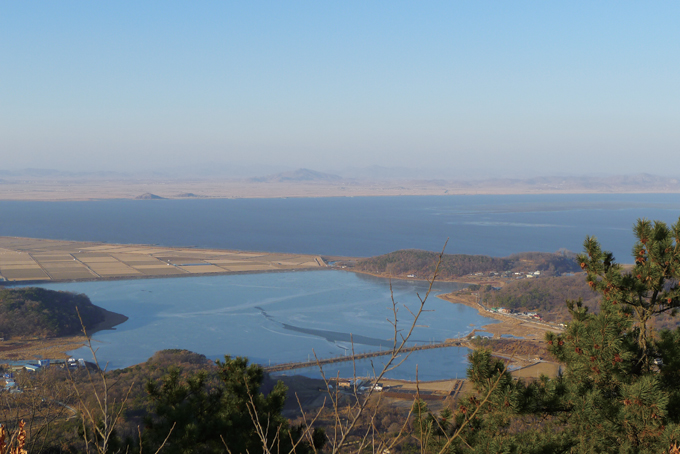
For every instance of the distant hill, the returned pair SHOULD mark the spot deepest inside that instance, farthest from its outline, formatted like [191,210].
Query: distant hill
[148,196]
[37,312]
[300,175]
[422,264]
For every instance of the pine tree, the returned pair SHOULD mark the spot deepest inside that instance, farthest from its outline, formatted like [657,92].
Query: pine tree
[621,389]
[203,413]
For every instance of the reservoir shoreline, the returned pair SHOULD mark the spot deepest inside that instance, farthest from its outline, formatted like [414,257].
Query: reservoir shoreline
[58,348]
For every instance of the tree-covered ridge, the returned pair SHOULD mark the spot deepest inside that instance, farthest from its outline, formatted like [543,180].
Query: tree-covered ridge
[545,295]
[34,311]
[422,263]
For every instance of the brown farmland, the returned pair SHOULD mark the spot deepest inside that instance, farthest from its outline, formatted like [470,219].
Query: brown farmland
[28,259]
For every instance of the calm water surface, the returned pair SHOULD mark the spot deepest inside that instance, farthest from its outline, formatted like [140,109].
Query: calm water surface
[359,226]
[275,317]
[283,317]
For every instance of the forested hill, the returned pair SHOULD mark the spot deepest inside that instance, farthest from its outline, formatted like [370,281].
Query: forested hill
[37,312]
[422,264]
[546,296]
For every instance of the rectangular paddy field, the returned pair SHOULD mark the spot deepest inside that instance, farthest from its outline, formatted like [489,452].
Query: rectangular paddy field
[30,259]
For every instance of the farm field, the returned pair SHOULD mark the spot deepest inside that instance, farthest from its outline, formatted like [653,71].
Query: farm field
[29,259]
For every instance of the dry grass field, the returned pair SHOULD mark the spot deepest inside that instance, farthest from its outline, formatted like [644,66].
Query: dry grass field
[29,259]
[551,369]
[27,349]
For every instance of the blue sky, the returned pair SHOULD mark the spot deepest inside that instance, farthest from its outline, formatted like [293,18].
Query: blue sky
[474,88]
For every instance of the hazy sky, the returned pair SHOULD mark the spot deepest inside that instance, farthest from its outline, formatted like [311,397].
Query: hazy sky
[537,87]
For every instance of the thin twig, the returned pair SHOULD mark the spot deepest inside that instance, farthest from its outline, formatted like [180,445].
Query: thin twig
[400,340]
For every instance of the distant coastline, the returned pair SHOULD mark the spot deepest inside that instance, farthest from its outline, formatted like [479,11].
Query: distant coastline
[316,184]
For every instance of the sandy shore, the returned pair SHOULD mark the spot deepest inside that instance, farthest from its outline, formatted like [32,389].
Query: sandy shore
[525,329]
[34,349]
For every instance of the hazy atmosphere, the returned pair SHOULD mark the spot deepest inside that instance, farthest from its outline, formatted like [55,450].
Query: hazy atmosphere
[457,89]
[345,227]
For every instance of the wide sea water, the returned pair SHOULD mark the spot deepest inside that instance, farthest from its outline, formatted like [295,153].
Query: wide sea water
[351,226]
[279,317]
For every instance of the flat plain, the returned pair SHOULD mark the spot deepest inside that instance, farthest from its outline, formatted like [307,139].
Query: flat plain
[88,188]
[30,260]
